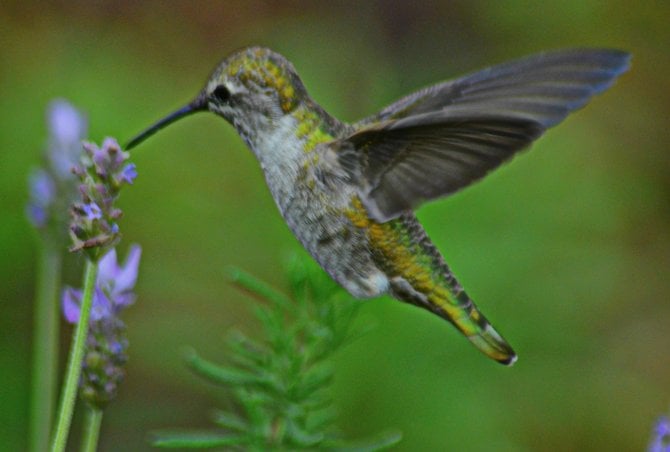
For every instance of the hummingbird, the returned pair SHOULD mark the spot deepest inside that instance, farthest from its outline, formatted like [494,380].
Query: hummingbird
[348,191]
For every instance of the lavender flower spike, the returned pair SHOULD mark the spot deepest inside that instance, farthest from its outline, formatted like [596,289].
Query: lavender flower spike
[53,187]
[67,127]
[661,440]
[103,172]
[106,345]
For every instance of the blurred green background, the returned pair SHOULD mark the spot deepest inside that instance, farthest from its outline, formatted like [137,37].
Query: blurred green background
[567,249]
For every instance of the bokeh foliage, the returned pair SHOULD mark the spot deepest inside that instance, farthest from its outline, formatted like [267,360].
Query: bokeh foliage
[567,249]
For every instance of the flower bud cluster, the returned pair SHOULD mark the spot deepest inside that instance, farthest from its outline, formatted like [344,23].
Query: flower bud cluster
[103,172]
[103,366]
[106,344]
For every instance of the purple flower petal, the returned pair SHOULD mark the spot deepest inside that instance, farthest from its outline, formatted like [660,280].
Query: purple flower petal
[36,215]
[663,427]
[124,299]
[112,147]
[71,301]
[127,276]
[129,173]
[108,270]
[42,187]
[91,211]
[100,159]
[113,288]
[109,156]
[67,128]
[66,124]
[102,305]
[115,347]
[42,193]
[661,440]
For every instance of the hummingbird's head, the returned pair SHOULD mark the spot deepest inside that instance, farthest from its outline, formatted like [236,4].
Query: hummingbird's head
[252,89]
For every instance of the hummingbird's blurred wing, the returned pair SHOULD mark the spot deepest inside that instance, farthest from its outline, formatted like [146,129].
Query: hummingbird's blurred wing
[442,138]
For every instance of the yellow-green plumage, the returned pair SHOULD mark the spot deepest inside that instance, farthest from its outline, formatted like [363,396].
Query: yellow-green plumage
[404,252]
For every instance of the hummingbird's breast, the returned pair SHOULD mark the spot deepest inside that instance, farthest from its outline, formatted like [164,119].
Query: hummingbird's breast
[314,195]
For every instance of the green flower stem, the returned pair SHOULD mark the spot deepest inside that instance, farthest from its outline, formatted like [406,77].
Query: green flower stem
[93,420]
[77,349]
[45,347]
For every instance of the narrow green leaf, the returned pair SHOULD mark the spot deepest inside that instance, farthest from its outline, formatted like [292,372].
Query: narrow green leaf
[246,352]
[259,288]
[314,379]
[254,404]
[319,400]
[273,324]
[194,440]
[299,436]
[379,442]
[220,374]
[320,420]
[230,421]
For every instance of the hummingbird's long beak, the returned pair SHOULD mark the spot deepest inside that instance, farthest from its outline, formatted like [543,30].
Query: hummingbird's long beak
[198,104]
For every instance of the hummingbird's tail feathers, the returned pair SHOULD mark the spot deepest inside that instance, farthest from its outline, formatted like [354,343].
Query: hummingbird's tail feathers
[494,346]
[462,312]
[453,304]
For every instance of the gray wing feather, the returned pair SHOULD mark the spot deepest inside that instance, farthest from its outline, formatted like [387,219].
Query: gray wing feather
[544,87]
[442,138]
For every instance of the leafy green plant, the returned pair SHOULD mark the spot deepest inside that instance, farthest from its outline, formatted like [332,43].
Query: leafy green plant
[280,384]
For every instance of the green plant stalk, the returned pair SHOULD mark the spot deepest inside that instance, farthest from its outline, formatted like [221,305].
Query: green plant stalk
[77,349]
[89,442]
[45,346]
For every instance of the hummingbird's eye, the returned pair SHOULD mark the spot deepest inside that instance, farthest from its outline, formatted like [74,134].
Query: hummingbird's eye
[221,94]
